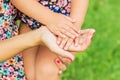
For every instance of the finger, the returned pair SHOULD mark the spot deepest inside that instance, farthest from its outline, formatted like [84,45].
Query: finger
[60,52]
[59,40]
[85,40]
[71,31]
[64,41]
[92,33]
[77,41]
[60,65]
[60,72]
[70,41]
[88,33]
[67,33]
[65,61]
[85,44]
[58,33]
[70,19]
[73,27]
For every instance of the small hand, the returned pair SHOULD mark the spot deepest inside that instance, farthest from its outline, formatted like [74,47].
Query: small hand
[62,26]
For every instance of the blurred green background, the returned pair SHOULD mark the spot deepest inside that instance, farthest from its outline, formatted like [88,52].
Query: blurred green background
[102,60]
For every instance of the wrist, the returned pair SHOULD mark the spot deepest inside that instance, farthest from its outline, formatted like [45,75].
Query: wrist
[38,36]
[34,38]
[52,19]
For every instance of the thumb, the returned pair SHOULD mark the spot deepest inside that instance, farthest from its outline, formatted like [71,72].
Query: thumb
[63,53]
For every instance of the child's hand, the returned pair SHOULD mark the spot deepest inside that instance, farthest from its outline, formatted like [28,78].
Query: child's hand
[80,43]
[62,26]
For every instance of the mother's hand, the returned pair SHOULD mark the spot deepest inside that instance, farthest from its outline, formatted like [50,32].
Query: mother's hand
[85,38]
[49,40]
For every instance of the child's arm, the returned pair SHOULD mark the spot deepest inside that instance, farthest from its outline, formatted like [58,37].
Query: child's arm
[58,24]
[78,12]
[42,36]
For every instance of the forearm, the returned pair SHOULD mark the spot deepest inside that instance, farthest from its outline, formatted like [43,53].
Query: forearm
[78,11]
[35,10]
[12,46]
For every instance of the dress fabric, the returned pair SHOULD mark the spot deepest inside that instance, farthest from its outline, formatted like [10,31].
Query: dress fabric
[58,6]
[11,69]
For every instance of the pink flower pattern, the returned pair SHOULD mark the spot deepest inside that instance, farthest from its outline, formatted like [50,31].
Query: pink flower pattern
[58,6]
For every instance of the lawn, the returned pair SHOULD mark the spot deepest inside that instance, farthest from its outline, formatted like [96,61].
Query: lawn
[102,60]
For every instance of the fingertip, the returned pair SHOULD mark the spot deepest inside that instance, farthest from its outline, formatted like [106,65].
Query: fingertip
[60,72]
[71,59]
[93,30]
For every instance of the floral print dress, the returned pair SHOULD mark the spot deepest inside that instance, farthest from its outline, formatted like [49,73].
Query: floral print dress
[11,69]
[58,6]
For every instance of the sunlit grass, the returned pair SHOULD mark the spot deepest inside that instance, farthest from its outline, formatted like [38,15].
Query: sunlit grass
[102,60]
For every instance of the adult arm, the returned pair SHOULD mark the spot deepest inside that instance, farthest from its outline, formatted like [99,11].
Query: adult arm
[10,47]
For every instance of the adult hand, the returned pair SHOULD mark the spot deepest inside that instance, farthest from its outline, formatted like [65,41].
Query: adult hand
[49,40]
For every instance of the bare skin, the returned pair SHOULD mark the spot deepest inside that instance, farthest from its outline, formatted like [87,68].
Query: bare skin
[58,29]
[44,60]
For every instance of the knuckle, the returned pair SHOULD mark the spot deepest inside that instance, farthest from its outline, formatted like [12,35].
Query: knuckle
[62,30]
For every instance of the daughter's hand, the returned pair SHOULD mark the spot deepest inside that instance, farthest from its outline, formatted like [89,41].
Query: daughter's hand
[62,26]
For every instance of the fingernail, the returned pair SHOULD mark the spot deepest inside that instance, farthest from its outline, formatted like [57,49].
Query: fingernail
[60,72]
[70,59]
[58,61]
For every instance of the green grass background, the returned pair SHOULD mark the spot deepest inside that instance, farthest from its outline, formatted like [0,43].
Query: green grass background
[102,60]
